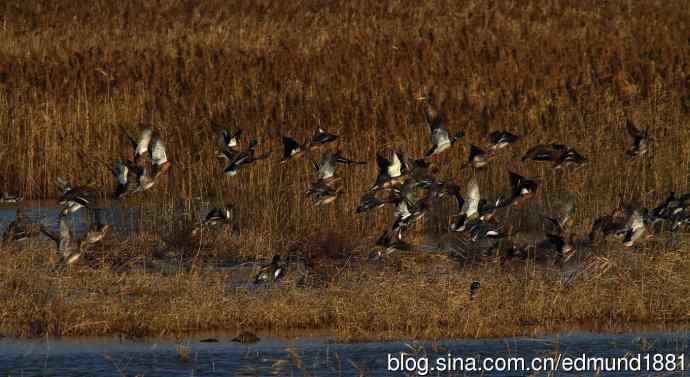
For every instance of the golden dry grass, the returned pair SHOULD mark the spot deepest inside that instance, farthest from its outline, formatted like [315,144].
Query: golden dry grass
[408,296]
[551,71]
[569,71]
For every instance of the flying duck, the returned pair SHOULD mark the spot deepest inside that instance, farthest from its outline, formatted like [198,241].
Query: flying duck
[390,171]
[227,142]
[291,149]
[544,152]
[501,139]
[244,158]
[570,157]
[321,137]
[439,137]
[478,157]
[64,240]
[75,198]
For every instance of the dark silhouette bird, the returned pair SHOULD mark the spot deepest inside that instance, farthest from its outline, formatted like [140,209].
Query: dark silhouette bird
[291,149]
[271,272]
[243,159]
[544,152]
[322,137]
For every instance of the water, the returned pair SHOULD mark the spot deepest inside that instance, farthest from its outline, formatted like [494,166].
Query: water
[316,356]
[123,216]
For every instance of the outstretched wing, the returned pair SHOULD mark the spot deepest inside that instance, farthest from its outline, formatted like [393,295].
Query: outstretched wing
[395,167]
[144,141]
[158,151]
[471,205]
[326,166]
[382,163]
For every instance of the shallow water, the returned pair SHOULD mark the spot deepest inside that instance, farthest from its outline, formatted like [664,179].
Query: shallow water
[125,217]
[319,357]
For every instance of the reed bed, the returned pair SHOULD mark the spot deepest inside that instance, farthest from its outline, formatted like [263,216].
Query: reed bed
[548,70]
[551,71]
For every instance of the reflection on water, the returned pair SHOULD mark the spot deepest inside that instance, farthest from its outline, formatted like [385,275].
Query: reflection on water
[313,356]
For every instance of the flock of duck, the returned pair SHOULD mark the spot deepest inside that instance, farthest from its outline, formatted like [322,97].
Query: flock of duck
[407,184]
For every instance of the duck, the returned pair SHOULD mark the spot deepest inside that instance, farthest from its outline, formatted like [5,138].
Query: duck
[120,171]
[340,159]
[391,171]
[271,272]
[640,140]
[478,158]
[673,210]
[605,225]
[626,222]
[468,206]
[325,167]
[521,186]
[501,139]
[75,198]
[570,157]
[390,240]
[439,136]
[635,227]
[64,240]
[159,157]
[216,216]
[291,149]
[227,142]
[145,180]
[322,137]
[485,231]
[370,201]
[421,170]
[244,158]
[544,152]
[96,233]
[140,145]
[408,210]
[324,191]
[326,188]
[474,289]
[560,221]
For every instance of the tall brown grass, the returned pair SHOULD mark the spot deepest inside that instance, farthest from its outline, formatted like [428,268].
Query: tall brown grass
[567,71]
[549,70]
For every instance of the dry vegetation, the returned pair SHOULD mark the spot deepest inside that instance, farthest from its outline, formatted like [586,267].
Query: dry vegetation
[414,295]
[569,71]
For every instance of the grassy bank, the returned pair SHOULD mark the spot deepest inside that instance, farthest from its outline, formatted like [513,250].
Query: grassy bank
[408,295]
